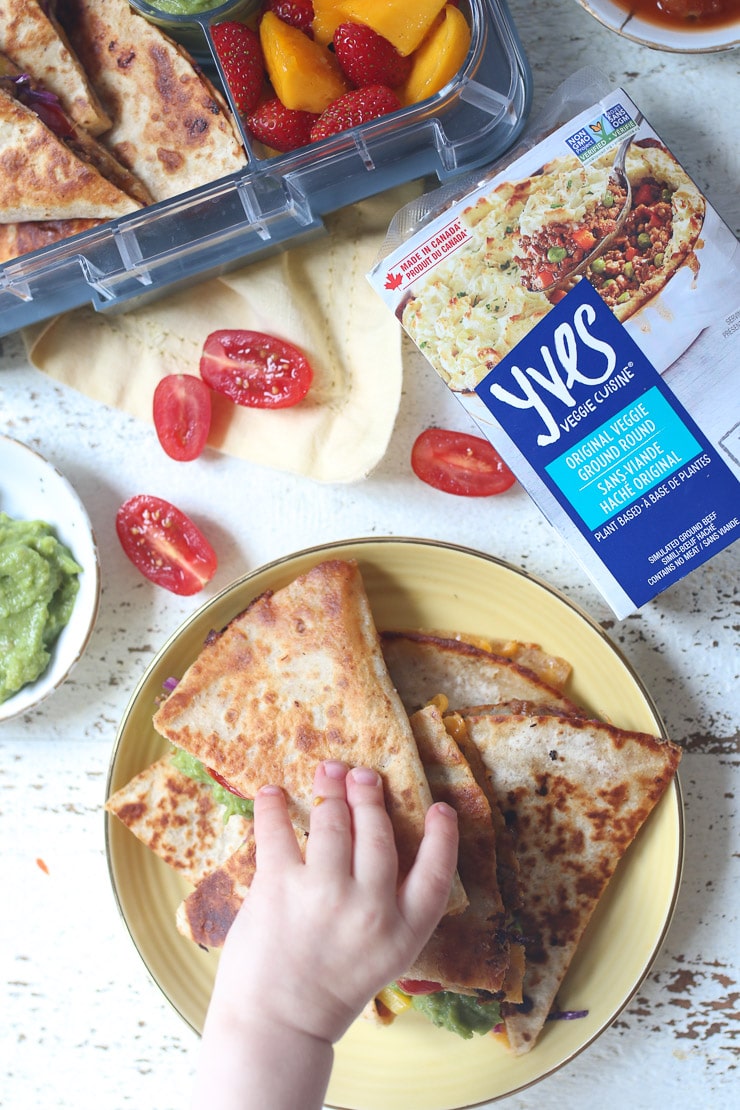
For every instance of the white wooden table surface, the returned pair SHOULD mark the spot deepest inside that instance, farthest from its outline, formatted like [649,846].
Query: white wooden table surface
[81,1024]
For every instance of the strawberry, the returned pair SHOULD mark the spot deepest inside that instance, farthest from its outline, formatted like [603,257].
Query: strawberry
[367,58]
[240,53]
[353,108]
[298,13]
[279,127]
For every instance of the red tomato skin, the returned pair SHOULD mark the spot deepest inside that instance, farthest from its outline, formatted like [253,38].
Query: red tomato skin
[226,785]
[418,986]
[254,369]
[458,463]
[182,415]
[164,544]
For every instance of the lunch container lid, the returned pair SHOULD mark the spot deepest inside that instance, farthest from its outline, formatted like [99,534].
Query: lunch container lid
[278,201]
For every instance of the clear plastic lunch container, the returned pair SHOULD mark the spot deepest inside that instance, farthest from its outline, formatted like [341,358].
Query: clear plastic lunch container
[278,200]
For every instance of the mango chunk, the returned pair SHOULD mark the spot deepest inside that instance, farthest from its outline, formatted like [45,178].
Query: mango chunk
[326,19]
[405,23]
[304,75]
[438,58]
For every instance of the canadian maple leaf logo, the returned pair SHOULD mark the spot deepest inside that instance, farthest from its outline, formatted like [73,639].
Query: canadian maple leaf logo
[393,281]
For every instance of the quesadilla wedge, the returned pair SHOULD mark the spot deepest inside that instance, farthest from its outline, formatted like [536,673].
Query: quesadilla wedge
[297,678]
[207,914]
[423,665]
[553,670]
[50,168]
[576,793]
[28,235]
[178,819]
[465,971]
[32,38]
[170,126]
[468,952]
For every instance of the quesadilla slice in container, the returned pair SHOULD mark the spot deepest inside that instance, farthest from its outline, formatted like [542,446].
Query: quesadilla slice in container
[179,819]
[297,678]
[423,665]
[576,793]
[32,235]
[170,126]
[32,38]
[50,168]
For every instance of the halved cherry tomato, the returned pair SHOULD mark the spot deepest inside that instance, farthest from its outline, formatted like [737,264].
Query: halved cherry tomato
[458,463]
[164,544]
[418,986]
[254,369]
[182,415]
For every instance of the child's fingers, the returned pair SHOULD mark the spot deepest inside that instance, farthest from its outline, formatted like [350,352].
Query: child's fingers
[273,831]
[375,859]
[330,839]
[424,894]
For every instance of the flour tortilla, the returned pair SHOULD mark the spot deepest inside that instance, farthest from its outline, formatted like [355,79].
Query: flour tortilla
[467,951]
[576,792]
[423,665]
[295,679]
[207,914]
[178,819]
[170,126]
[314,295]
[32,37]
[29,235]
[43,178]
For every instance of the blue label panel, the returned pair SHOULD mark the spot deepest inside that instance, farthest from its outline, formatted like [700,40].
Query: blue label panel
[637,477]
[623,458]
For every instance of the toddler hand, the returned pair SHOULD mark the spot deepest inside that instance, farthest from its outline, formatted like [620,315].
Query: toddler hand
[315,940]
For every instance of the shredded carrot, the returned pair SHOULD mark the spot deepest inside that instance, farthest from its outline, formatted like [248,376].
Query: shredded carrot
[40,863]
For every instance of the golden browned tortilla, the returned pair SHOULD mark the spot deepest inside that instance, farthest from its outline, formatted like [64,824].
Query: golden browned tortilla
[575,793]
[178,819]
[467,951]
[28,235]
[44,178]
[170,126]
[31,36]
[297,678]
[423,665]
[207,914]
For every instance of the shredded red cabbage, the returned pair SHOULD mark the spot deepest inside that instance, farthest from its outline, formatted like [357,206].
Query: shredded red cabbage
[169,684]
[43,96]
[566,1015]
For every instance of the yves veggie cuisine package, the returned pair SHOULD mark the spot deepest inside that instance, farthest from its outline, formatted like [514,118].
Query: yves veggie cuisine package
[584,306]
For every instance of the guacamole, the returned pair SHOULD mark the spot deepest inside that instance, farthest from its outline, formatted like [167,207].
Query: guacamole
[39,582]
[460,1013]
[194,769]
[184,7]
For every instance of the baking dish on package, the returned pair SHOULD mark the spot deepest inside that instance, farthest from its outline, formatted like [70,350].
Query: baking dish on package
[278,200]
[583,305]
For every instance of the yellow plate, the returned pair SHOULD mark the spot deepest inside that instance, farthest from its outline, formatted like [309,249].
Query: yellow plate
[411,1065]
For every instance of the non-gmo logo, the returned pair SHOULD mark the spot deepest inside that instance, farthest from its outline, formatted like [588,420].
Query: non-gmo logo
[601,133]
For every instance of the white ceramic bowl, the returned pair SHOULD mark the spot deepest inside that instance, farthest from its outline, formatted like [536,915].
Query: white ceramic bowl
[664,36]
[31,488]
